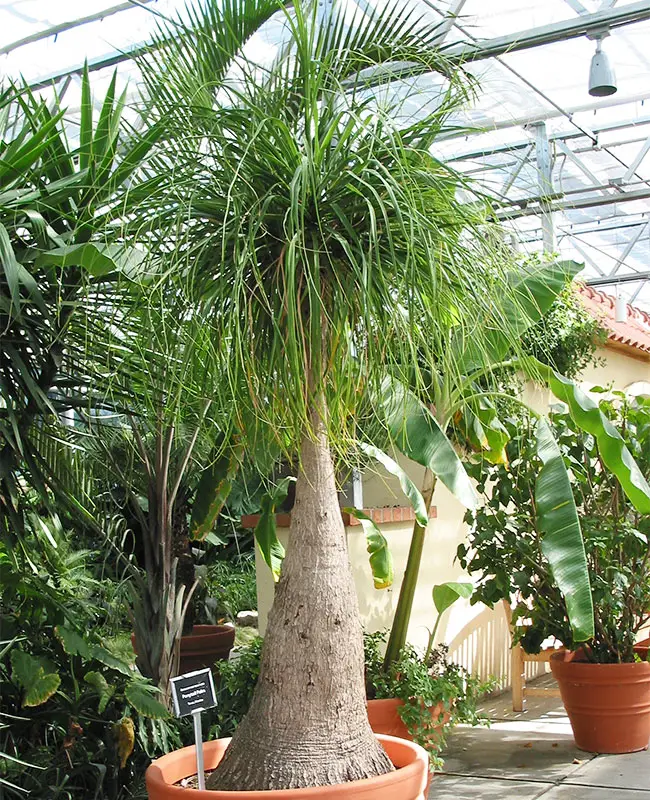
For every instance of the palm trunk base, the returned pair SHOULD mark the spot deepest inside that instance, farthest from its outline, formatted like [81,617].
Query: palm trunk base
[307,725]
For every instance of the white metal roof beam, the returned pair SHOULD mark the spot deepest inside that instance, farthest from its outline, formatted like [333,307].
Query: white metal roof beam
[595,182]
[628,248]
[608,280]
[474,51]
[555,32]
[534,209]
[637,160]
[67,26]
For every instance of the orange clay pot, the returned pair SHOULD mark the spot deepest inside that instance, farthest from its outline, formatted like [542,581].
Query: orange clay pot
[408,782]
[608,704]
[384,717]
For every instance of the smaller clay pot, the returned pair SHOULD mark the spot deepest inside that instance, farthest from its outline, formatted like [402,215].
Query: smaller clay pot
[201,648]
[608,704]
[384,717]
[205,645]
[407,782]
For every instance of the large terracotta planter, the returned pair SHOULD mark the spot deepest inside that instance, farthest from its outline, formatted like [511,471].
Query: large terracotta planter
[408,782]
[608,704]
[384,717]
[203,646]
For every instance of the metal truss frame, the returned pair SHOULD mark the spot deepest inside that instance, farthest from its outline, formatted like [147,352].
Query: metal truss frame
[539,156]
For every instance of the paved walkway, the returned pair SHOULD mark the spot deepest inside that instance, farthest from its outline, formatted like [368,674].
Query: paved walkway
[532,755]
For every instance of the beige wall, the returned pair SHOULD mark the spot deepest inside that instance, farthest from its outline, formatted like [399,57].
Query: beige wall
[478,637]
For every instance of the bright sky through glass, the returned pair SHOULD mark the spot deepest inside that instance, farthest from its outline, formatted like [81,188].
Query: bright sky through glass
[542,84]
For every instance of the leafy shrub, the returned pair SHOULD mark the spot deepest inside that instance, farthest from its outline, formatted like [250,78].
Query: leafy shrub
[422,685]
[76,721]
[505,546]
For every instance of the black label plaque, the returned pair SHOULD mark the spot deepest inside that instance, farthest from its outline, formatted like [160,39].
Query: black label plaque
[193,692]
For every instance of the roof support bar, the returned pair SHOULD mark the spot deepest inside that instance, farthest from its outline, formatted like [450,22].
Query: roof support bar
[535,210]
[473,51]
[67,26]
[608,280]
[629,247]
[637,160]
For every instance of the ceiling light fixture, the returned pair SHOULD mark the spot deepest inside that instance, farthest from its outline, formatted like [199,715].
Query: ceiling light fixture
[602,79]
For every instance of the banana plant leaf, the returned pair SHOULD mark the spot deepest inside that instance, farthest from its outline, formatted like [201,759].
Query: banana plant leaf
[419,437]
[408,487]
[611,446]
[562,542]
[532,292]
[271,548]
[212,492]
[381,560]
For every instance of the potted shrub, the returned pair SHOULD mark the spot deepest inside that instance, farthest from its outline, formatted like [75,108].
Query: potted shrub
[605,683]
[420,696]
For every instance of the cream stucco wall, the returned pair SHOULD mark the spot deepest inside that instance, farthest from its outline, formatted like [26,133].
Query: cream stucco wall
[478,637]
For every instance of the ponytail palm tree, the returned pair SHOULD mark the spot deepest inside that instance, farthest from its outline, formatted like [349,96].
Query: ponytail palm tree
[328,249]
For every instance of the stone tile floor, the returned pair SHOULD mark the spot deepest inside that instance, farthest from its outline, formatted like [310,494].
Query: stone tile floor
[530,755]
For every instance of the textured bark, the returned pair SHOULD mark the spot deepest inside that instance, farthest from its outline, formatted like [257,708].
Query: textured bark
[307,725]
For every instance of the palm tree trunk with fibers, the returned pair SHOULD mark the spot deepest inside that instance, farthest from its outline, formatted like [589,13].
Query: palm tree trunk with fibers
[307,724]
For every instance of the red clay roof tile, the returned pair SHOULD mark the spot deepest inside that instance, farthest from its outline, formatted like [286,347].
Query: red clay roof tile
[634,332]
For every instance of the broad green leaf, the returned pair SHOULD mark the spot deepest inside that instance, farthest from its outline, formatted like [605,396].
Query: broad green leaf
[28,673]
[271,548]
[381,560]
[532,292]
[611,446]
[446,594]
[140,697]
[562,543]
[212,492]
[42,689]
[73,643]
[417,434]
[106,658]
[408,487]
[96,258]
[104,689]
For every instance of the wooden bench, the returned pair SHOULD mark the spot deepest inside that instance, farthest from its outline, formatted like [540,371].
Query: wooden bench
[518,660]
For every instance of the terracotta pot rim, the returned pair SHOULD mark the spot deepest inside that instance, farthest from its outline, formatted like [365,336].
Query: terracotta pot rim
[408,772]
[567,659]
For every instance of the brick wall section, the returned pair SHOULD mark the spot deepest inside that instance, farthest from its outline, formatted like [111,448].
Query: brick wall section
[381,516]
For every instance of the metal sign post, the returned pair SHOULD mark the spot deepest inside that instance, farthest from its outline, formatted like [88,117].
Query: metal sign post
[193,693]
[198,738]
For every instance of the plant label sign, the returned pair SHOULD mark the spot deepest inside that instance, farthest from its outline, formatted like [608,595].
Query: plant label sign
[193,692]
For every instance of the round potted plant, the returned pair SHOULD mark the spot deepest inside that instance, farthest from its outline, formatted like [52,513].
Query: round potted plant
[605,681]
[421,696]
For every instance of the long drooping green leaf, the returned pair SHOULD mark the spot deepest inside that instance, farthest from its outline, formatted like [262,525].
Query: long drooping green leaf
[530,294]
[381,560]
[611,446]
[562,542]
[212,492]
[417,434]
[266,536]
[408,487]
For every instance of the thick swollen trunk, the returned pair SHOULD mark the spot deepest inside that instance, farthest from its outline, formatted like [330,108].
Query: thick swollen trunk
[307,725]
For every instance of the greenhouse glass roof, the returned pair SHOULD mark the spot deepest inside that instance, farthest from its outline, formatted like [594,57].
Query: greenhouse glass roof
[568,171]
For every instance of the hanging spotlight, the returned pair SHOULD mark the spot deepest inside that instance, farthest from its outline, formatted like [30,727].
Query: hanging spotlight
[602,80]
